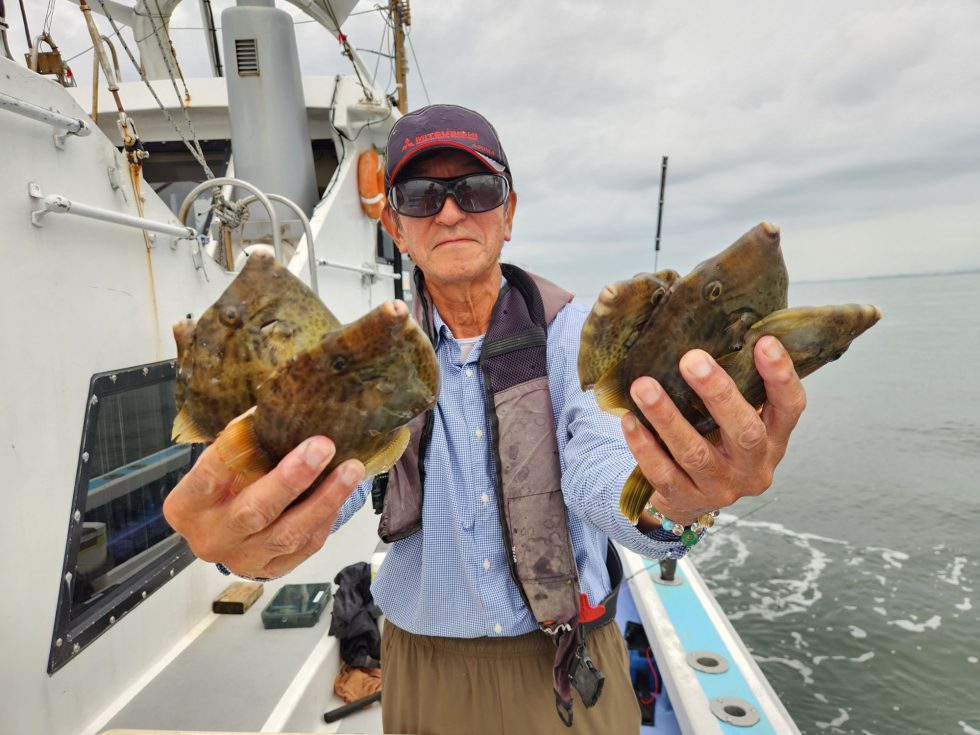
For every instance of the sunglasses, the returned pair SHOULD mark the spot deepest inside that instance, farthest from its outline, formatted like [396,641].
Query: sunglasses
[473,193]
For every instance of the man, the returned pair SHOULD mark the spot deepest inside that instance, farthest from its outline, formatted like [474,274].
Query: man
[479,634]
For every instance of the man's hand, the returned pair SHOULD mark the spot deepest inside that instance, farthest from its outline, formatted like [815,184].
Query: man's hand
[254,532]
[697,476]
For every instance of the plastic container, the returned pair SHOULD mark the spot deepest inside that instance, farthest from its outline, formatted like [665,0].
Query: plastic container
[297,606]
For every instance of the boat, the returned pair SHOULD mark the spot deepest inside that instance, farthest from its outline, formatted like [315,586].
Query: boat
[122,215]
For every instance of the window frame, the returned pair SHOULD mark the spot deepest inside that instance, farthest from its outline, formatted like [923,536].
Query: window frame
[73,634]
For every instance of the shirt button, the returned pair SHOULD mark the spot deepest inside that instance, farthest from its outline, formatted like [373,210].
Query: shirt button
[478,433]
[485,498]
[486,565]
[498,628]
[469,373]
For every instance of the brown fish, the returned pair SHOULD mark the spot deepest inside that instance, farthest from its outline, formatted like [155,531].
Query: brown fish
[722,307]
[265,316]
[360,385]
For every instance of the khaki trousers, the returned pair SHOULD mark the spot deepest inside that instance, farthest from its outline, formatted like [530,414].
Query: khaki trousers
[497,686]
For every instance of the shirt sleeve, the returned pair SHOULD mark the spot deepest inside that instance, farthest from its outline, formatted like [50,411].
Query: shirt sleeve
[595,459]
[353,503]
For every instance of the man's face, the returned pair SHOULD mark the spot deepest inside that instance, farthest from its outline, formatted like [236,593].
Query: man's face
[451,246]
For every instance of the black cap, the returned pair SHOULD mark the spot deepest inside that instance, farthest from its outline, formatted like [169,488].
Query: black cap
[443,126]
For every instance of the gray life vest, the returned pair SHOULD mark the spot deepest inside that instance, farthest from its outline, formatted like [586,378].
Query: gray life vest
[532,511]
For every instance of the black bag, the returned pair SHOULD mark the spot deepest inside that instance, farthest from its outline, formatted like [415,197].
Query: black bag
[355,617]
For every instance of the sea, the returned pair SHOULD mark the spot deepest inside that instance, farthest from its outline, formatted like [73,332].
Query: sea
[855,579]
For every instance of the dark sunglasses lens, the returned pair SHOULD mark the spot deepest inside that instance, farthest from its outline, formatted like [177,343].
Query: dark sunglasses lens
[425,197]
[480,192]
[418,197]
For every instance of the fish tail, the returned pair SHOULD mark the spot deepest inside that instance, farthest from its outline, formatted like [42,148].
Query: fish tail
[636,494]
[238,448]
[186,430]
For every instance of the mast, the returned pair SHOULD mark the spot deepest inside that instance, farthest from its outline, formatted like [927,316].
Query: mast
[660,210]
[400,17]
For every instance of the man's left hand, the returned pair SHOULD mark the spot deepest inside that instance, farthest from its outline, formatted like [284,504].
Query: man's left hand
[693,475]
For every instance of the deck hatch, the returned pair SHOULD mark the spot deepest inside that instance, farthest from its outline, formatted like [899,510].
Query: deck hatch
[119,549]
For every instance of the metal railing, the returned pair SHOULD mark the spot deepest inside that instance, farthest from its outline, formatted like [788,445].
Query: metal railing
[69,125]
[58,204]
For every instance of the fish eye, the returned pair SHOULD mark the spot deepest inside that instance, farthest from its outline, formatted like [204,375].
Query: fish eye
[713,291]
[230,316]
[340,365]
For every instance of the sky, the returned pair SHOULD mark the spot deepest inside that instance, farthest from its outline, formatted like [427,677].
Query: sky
[853,126]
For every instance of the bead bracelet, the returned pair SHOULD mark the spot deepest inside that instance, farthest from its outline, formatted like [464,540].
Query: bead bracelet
[687,534]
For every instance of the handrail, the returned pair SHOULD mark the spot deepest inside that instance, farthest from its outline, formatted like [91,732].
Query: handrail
[311,256]
[57,204]
[71,125]
[223,180]
[374,273]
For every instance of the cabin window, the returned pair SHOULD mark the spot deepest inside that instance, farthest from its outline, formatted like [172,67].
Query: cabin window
[119,547]
[172,170]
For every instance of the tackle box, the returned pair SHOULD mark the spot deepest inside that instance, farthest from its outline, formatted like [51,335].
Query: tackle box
[297,605]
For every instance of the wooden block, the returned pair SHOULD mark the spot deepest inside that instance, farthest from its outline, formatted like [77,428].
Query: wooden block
[237,598]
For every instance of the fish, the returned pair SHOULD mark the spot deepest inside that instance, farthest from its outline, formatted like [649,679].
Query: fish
[360,385]
[644,326]
[264,317]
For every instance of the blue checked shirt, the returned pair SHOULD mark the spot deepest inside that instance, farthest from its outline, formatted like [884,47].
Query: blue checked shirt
[452,578]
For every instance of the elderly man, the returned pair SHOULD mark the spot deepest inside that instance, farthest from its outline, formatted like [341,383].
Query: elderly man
[491,623]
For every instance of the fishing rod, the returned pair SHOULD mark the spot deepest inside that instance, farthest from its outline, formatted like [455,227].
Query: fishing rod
[660,210]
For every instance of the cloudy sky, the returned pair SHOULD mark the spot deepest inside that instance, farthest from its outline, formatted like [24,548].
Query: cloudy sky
[854,126]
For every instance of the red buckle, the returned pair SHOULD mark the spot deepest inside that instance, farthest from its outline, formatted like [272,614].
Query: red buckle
[587,613]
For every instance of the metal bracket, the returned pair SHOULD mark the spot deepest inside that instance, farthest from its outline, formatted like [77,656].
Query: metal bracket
[200,243]
[116,182]
[38,212]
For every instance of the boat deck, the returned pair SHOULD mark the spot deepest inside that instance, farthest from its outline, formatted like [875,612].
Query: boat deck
[241,677]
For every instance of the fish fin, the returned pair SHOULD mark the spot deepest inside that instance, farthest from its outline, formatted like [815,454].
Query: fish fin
[714,436]
[389,454]
[616,322]
[186,430]
[636,494]
[609,394]
[238,448]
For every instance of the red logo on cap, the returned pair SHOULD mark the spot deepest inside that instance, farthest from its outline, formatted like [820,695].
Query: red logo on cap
[407,144]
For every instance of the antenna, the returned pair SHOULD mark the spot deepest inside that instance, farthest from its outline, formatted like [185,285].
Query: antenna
[660,210]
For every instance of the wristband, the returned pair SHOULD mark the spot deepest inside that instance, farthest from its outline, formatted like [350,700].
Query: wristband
[689,535]
[227,572]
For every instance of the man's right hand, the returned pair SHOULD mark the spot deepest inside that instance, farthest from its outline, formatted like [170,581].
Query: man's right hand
[255,533]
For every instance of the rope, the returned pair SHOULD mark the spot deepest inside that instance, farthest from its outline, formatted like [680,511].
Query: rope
[48,17]
[196,152]
[411,46]
[171,56]
[348,51]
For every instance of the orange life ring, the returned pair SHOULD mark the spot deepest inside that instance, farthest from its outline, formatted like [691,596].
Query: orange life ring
[371,183]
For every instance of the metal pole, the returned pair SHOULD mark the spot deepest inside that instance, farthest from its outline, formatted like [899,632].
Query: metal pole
[57,204]
[398,23]
[660,210]
[27,30]
[54,119]
[211,35]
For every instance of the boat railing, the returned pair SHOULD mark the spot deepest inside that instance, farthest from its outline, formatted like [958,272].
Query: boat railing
[58,204]
[306,228]
[68,125]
